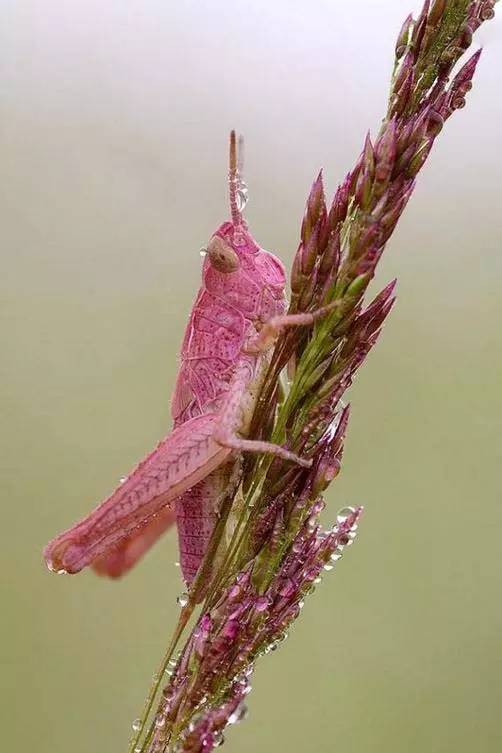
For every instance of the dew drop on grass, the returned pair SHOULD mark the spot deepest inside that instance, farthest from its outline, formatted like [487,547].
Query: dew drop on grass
[239,714]
[182,600]
[344,514]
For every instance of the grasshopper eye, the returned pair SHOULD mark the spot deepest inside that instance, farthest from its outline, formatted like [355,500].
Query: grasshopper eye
[222,256]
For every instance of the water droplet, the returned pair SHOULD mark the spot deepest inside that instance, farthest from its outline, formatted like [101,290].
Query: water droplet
[487,14]
[136,725]
[262,603]
[328,567]
[177,564]
[123,479]
[344,515]
[218,739]
[182,600]
[317,580]
[242,195]
[239,714]
[203,252]
[50,566]
[335,556]
[138,749]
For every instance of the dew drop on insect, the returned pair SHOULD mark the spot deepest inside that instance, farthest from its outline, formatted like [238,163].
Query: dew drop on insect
[317,580]
[51,567]
[123,479]
[328,566]
[136,725]
[203,252]
[242,195]
[182,600]
[335,556]
[137,749]
[177,564]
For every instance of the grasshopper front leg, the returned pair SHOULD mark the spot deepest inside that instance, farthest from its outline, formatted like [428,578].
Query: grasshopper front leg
[271,329]
[233,416]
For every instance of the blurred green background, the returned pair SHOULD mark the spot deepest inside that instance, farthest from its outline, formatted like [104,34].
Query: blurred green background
[113,127]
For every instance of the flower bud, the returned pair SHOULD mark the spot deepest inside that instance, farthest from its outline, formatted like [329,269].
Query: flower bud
[403,37]
[436,12]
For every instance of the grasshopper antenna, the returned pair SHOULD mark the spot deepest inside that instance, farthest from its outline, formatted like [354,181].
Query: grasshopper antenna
[237,188]
[233,181]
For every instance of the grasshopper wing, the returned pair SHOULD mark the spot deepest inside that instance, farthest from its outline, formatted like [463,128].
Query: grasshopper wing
[186,456]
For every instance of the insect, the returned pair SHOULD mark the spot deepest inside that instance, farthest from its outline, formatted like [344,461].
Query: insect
[238,313]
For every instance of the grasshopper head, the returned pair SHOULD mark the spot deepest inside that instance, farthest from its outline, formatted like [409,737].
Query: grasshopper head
[232,248]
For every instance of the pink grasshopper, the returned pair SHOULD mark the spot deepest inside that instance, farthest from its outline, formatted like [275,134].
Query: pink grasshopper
[238,314]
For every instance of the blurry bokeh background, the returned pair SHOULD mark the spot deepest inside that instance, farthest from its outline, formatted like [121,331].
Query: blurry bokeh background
[113,128]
